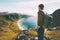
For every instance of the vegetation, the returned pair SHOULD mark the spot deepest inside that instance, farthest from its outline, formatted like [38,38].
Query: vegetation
[53,34]
[32,32]
[8,26]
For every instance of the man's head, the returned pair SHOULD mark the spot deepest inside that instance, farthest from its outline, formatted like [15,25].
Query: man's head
[41,6]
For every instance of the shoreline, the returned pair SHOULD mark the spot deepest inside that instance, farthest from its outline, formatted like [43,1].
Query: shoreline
[19,25]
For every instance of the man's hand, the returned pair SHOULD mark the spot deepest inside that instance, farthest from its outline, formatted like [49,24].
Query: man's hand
[44,26]
[37,28]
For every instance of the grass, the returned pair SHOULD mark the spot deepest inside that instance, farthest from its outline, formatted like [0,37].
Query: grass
[9,32]
[8,29]
[53,34]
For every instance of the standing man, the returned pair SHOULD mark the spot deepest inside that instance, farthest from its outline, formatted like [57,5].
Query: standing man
[41,25]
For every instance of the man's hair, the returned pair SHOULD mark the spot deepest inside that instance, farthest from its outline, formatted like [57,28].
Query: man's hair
[41,6]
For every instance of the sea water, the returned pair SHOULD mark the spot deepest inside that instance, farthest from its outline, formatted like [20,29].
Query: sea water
[29,22]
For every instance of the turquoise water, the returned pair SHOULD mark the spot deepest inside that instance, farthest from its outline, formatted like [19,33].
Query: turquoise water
[29,22]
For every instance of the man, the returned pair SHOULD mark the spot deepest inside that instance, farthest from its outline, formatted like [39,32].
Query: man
[41,25]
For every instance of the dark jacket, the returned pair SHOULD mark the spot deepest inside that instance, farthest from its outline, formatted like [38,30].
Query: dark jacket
[43,19]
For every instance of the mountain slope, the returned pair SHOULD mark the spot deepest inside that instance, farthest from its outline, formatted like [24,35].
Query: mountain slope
[8,26]
[56,18]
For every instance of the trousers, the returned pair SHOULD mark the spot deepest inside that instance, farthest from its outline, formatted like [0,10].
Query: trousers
[40,34]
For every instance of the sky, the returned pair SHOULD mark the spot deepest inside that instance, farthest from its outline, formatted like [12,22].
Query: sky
[29,7]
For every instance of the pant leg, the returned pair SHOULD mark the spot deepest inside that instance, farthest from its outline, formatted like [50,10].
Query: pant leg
[41,34]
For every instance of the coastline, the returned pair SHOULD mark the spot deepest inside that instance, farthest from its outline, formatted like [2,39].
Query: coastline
[19,25]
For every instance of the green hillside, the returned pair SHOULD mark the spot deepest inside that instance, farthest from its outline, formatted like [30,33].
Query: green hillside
[8,26]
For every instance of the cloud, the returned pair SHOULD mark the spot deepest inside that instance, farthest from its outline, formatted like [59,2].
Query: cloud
[29,7]
[51,7]
[22,7]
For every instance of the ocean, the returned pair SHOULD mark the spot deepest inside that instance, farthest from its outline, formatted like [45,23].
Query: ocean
[28,22]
